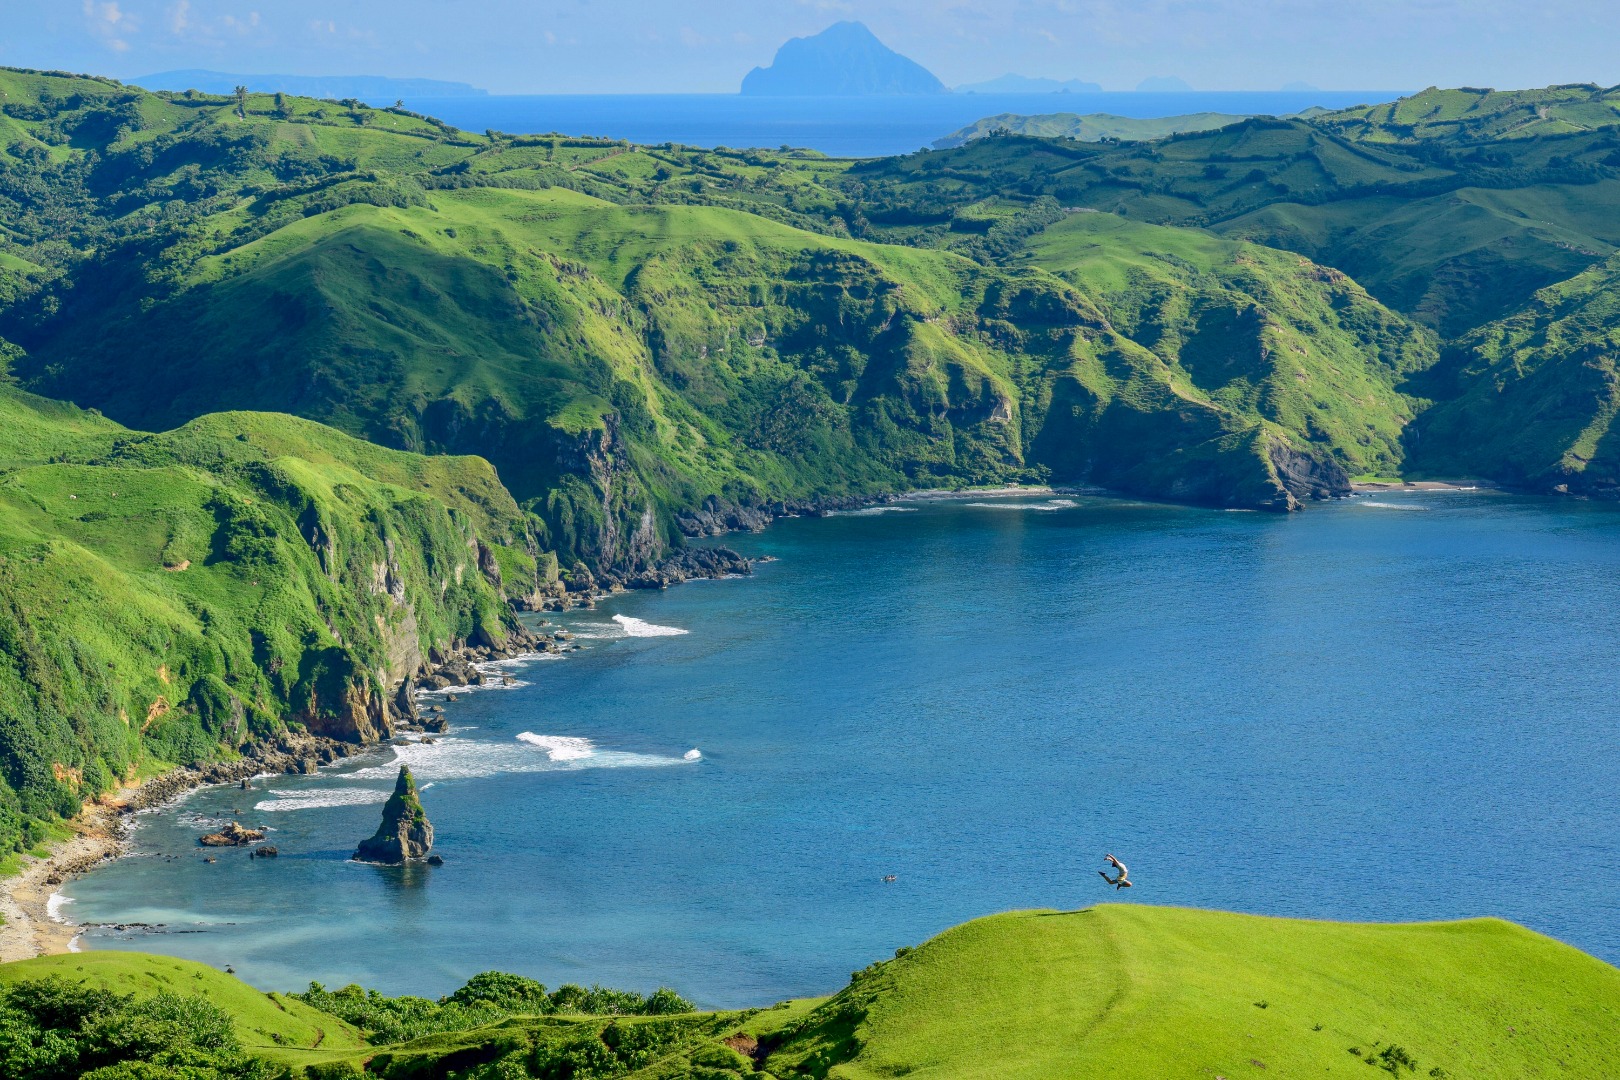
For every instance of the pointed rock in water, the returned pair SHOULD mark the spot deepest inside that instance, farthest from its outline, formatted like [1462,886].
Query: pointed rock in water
[405,832]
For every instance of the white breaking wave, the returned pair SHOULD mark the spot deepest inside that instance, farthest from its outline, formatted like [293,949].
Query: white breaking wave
[450,758]
[315,799]
[639,628]
[1048,505]
[870,511]
[560,747]
[53,906]
[1389,506]
[499,671]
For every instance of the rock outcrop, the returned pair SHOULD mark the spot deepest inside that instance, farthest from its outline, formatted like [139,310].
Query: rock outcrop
[232,835]
[405,832]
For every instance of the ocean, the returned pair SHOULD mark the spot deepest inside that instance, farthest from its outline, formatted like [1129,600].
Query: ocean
[1385,708]
[841,127]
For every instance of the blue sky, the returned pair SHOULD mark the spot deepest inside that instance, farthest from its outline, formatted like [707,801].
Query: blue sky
[604,46]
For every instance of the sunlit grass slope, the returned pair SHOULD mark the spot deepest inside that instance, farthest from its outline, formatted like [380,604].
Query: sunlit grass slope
[268,1025]
[1263,331]
[1532,399]
[1164,992]
[173,597]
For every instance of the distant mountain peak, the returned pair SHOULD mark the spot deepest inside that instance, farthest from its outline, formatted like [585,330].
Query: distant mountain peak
[844,60]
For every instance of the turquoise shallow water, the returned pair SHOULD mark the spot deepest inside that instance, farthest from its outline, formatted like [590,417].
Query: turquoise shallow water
[1400,707]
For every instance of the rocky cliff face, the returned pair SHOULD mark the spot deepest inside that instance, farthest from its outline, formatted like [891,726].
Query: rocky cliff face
[405,832]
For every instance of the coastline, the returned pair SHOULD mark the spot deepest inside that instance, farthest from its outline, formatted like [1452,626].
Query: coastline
[101,832]
[1371,487]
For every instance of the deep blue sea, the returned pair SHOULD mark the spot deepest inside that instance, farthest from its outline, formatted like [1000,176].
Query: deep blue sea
[841,127]
[1388,708]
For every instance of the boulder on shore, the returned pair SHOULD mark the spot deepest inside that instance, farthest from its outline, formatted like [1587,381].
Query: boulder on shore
[405,832]
[232,835]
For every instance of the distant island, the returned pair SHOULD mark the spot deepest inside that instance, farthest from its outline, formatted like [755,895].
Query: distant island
[1090,127]
[844,60]
[372,89]
[1023,84]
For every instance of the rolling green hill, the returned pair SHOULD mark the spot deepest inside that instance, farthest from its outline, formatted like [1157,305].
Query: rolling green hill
[1476,115]
[171,598]
[1531,399]
[1166,992]
[1087,127]
[1262,330]
[1156,993]
[621,356]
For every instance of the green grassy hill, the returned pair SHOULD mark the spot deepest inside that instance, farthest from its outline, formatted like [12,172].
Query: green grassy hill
[1087,127]
[1532,399]
[170,598]
[276,1026]
[1164,992]
[1155,993]
[618,354]
[1454,233]
[1262,330]
[1476,115]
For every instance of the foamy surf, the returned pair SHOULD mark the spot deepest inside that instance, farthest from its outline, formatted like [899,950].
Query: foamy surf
[54,906]
[634,627]
[872,511]
[560,747]
[1048,505]
[1389,506]
[319,798]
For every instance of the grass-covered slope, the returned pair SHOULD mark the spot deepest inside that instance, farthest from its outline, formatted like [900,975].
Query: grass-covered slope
[1531,400]
[168,598]
[1155,993]
[618,363]
[269,1025]
[1163,992]
[1085,127]
[1454,232]
[1262,331]
[1477,115]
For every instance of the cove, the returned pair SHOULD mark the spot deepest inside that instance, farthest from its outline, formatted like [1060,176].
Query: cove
[1387,708]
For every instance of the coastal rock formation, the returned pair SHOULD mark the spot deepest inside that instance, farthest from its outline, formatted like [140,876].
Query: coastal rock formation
[232,835]
[405,832]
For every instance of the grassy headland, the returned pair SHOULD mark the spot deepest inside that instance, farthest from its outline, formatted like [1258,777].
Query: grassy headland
[1140,991]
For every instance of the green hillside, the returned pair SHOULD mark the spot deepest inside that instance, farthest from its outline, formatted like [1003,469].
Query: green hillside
[1453,233]
[1477,115]
[1532,399]
[1087,127]
[269,1025]
[1156,993]
[1261,330]
[1165,992]
[620,360]
[171,598]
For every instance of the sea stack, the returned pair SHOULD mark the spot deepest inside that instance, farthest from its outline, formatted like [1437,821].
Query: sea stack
[405,832]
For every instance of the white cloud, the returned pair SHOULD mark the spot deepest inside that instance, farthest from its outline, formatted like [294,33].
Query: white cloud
[110,23]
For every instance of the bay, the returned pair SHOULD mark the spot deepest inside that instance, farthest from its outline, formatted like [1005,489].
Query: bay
[1388,708]
[838,126]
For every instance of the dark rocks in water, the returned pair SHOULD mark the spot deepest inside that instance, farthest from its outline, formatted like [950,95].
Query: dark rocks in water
[405,832]
[232,835]
[247,783]
[684,564]
[264,851]
[435,860]
[436,724]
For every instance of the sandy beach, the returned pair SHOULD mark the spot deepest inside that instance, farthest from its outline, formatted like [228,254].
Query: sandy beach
[29,930]
[1420,485]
